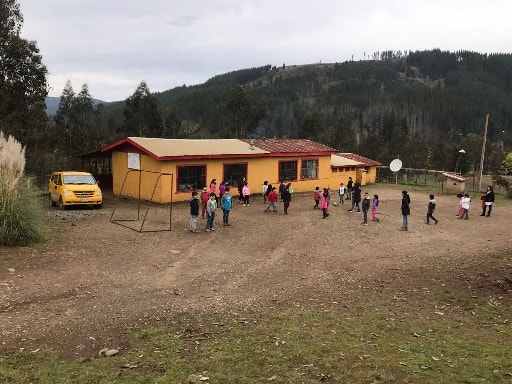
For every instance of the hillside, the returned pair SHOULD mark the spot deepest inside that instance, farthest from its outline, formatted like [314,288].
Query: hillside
[423,107]
[52,104]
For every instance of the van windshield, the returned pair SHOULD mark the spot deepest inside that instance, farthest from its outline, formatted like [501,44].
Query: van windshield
[79,179]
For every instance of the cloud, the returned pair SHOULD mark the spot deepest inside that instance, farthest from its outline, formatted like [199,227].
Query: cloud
[114,45]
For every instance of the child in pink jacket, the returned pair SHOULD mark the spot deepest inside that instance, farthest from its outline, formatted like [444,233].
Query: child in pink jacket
[325,203]
[246,192]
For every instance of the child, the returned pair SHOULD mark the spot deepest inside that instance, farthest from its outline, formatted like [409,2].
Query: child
[459,209]
[246,192]
[271,200]
[287,197]
[365,205]
[342,192]
[211,207]
[205,196]
[325,203]
[316,197]
[375,204]
[406,210]
[194,212]
[465,207]
[226,203]
[265,194]
[222,189]
[430,209]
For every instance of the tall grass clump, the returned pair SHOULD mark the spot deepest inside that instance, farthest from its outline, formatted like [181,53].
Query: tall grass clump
[21,218]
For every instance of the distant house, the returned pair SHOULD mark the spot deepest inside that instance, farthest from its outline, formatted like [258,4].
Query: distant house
[454,183]
[364,169]
[164,170]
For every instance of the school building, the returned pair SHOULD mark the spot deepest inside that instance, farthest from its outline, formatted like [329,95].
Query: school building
[168,170]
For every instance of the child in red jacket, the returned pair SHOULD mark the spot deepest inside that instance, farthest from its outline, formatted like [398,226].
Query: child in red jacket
[205,196]
[316,197]
[272,200]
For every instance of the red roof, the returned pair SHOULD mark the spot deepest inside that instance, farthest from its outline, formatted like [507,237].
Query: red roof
[290,146]
[366,161]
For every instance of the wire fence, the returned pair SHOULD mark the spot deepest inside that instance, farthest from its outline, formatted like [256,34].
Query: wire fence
[434,180]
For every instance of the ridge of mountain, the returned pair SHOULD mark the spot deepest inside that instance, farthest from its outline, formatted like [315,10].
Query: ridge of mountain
[52,104]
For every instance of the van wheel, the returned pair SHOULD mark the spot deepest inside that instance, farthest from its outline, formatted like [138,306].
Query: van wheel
[52,203]
[61,204]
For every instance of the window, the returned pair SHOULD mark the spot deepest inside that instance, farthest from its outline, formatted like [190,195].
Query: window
[100,166]
[309,169]
[287,170]
[234,173]
[191,178]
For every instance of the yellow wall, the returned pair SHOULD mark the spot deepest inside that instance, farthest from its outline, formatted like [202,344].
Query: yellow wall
[258,170]
[150,182]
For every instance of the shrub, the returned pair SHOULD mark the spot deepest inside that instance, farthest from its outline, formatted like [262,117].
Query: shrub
[503,182]
[21,216]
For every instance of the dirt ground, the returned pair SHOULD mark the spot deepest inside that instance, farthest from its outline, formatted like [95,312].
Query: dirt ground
[94,280]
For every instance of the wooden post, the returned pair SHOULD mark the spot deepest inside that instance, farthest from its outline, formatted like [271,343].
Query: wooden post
[483,153]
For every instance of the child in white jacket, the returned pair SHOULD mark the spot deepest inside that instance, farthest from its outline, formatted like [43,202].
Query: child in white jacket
[464,202]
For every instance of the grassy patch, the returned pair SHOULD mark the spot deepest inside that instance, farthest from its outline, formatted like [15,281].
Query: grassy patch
[379,341]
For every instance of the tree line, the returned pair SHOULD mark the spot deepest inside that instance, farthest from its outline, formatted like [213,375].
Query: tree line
[421,106]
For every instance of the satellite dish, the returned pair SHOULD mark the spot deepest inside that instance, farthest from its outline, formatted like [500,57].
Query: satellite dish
[395,165]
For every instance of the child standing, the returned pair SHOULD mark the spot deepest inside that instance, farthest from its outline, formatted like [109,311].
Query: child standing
[375,204]
[465,207]
[211,207]
[431,208]
[226,204]
[316,197]
[406,210]
[342,192]
[325,203]
[365,206]
[205,196]
[246,192]
[194,212]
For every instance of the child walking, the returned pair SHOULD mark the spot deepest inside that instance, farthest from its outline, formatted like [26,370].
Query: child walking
[316,198]
[271,200]
[431,208]
[375,204]
[211,207]
[265,194]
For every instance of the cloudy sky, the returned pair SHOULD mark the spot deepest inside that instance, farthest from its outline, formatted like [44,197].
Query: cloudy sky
[113,45]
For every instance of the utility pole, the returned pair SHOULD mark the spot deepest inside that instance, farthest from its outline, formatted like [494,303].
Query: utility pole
[483,153]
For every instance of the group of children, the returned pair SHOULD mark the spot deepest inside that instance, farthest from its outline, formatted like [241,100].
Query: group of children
[209,204]
[322,200]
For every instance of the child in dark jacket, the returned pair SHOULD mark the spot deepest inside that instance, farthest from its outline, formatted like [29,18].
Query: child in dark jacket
[194,212]
[365,207]
[430,209]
